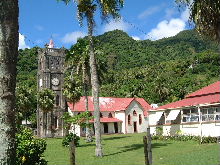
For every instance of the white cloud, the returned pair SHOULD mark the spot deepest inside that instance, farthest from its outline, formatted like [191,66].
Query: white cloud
[149,11]
[168,28]
[113,25]
[136,37]
[73,36]
[22,44]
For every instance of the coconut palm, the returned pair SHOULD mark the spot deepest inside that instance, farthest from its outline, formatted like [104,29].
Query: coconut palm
[206,16]
[78,59]
[46,103]
[86,9]
[8,60]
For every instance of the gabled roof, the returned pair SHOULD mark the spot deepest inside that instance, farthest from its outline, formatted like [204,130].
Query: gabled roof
[206,95]
[211,89]
[108,104]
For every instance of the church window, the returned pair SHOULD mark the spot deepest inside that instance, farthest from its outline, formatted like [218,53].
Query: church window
[57,100]
[134,113]
[110,115]
[140,119]
[129,119]
[55,122]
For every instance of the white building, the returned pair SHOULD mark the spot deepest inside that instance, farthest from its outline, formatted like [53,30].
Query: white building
[198,114]
[118,115]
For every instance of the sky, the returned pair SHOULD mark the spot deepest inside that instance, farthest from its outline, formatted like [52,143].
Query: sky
[41,20]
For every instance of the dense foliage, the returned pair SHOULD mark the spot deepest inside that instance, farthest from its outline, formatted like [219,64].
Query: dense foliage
[46,99]
[29,149]
[26,104]
[160,71]
[70,137]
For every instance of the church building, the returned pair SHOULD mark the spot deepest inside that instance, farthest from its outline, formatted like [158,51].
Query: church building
[50,75]
[117,115]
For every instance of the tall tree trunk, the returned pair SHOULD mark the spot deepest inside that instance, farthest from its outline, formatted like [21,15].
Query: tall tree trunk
[95,88]
[85,83]
[8,60]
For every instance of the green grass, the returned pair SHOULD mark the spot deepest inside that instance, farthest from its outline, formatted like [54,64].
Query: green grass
[128,150]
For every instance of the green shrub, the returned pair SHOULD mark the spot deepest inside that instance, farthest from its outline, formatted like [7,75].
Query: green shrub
[29,149]
[70,138]
[186,138]
[209,139]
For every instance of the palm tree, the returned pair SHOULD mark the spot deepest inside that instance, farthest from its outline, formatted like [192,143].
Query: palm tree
[86,9]
[206,16]
[8,60]
[46,103]
[78,56]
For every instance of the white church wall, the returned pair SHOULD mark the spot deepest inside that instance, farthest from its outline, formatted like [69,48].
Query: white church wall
[121,116]
[135,118]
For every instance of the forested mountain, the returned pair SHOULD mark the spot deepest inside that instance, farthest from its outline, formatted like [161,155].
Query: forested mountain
[160,71]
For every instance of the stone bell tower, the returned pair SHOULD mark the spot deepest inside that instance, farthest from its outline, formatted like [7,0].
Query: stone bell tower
[50,75]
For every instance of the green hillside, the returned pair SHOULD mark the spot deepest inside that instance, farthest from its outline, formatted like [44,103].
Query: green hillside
[160,71]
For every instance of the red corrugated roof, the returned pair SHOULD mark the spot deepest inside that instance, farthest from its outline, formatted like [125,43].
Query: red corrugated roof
[109,104]
[107,120]
[206,95]
[211,89]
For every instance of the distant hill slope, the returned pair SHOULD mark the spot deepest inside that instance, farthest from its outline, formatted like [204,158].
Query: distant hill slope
[160,71]
[129,53]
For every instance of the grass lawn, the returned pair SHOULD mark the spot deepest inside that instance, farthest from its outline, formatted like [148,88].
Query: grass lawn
[128,150]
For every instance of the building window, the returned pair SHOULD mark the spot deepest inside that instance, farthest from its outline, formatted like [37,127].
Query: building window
[140,119]
[101,115]
[190,115]
[57,100]
[129,119]
[210,114]
[78,113]
[134,113]
[110,115]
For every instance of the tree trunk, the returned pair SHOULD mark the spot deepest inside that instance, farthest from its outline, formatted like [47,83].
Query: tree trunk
[85,82]
[95,88]
[146,151]
[149,146]
[8,60]
[72,152]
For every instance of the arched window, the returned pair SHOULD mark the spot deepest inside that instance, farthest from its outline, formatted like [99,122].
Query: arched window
[134,113]
[90,114]
[78,113]
[57,100]
[110,115]
[129,119]
[101,115]
[140,119]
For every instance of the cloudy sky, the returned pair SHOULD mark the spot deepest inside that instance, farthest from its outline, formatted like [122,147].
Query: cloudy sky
[141,19]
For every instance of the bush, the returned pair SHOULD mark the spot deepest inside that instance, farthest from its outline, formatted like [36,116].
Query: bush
[70,138]
[29,149]
[208,139]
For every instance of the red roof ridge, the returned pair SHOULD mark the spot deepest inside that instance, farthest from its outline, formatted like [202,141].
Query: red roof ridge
[213,88]
[108,104]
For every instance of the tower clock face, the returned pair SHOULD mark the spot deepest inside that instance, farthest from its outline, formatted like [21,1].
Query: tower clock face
[55,81]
